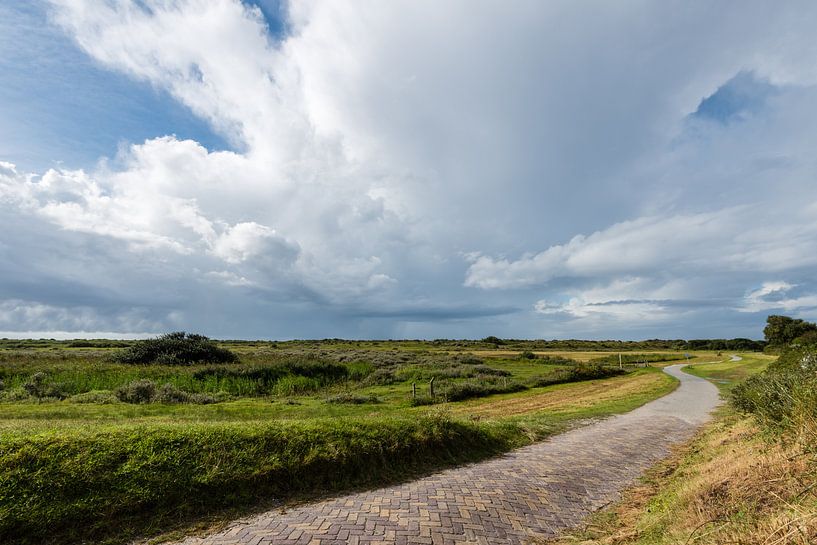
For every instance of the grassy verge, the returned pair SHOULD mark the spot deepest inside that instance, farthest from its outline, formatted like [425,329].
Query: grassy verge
[63,481]
[733,483]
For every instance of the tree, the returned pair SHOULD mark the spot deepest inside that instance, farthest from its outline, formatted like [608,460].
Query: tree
[782,330]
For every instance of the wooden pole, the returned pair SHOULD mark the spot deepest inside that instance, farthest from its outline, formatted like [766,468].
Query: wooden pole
[431,387]
[620,365]
[414,390]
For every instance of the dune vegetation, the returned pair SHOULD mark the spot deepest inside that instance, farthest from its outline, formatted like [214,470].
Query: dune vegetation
[104,441]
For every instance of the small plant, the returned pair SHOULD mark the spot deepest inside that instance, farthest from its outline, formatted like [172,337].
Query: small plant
[177,348]
[167,393]
[526,355]
[382,377]
[38,387]
[138,391]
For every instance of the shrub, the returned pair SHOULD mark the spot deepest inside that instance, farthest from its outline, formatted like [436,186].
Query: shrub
[785,393]
[167,393]
[468,359]
[177,348]
[382,377]
[38,387]
[526,355]
[138,391]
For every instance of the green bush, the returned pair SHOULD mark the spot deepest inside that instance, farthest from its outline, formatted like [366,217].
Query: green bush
[526,355]
[178,348]
[138,391]
[382,377]
[38,386]
[785,394]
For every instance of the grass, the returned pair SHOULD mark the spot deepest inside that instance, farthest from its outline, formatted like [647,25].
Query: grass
[74,471]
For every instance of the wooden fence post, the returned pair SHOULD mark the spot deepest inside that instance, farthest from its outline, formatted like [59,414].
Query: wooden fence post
[414,390]
[431,387]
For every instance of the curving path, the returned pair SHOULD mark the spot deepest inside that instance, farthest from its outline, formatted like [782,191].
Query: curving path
[536,491]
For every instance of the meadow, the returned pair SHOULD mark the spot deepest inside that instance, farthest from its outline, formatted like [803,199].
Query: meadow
[96,446]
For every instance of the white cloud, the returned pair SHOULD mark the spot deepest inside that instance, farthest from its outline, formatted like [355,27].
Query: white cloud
[378,143]
[775,295]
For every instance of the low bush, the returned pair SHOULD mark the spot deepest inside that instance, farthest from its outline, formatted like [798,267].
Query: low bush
[784,395]
[526,355]
[382,377]
[146,391]
[177,348]
[138,391]
[40,387]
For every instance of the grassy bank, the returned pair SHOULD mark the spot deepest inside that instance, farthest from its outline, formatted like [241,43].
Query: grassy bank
[107,470]
[741,480]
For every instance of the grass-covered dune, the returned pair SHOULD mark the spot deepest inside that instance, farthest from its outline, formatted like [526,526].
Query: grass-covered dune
[58,486]
[81,460]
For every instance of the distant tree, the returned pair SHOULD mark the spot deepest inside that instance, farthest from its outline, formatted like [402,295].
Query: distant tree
[493,340]
[781,330]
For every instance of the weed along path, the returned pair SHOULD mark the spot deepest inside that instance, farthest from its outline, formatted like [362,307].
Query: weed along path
[535,491]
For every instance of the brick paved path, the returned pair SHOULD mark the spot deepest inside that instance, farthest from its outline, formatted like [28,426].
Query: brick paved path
[535,491]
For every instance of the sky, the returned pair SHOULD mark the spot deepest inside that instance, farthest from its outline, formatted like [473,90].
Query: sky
[406,169]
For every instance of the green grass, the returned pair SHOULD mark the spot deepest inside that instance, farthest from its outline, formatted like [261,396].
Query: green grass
[73,472]
[726,374]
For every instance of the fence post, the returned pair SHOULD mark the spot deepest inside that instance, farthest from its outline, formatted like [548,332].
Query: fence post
[431,387]
[619,361]
[414,390]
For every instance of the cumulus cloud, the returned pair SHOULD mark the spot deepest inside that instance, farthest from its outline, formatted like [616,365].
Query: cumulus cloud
[779,296]
[576,154]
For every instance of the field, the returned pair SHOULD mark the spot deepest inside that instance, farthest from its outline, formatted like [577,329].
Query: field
[95,449]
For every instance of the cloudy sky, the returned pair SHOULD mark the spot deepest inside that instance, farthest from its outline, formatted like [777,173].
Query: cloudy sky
[410,169]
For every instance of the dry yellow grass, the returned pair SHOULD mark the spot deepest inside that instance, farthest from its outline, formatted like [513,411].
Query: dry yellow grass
[727,486]
[566,397]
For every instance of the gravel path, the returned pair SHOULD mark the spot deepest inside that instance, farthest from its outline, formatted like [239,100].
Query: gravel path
[536,491]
